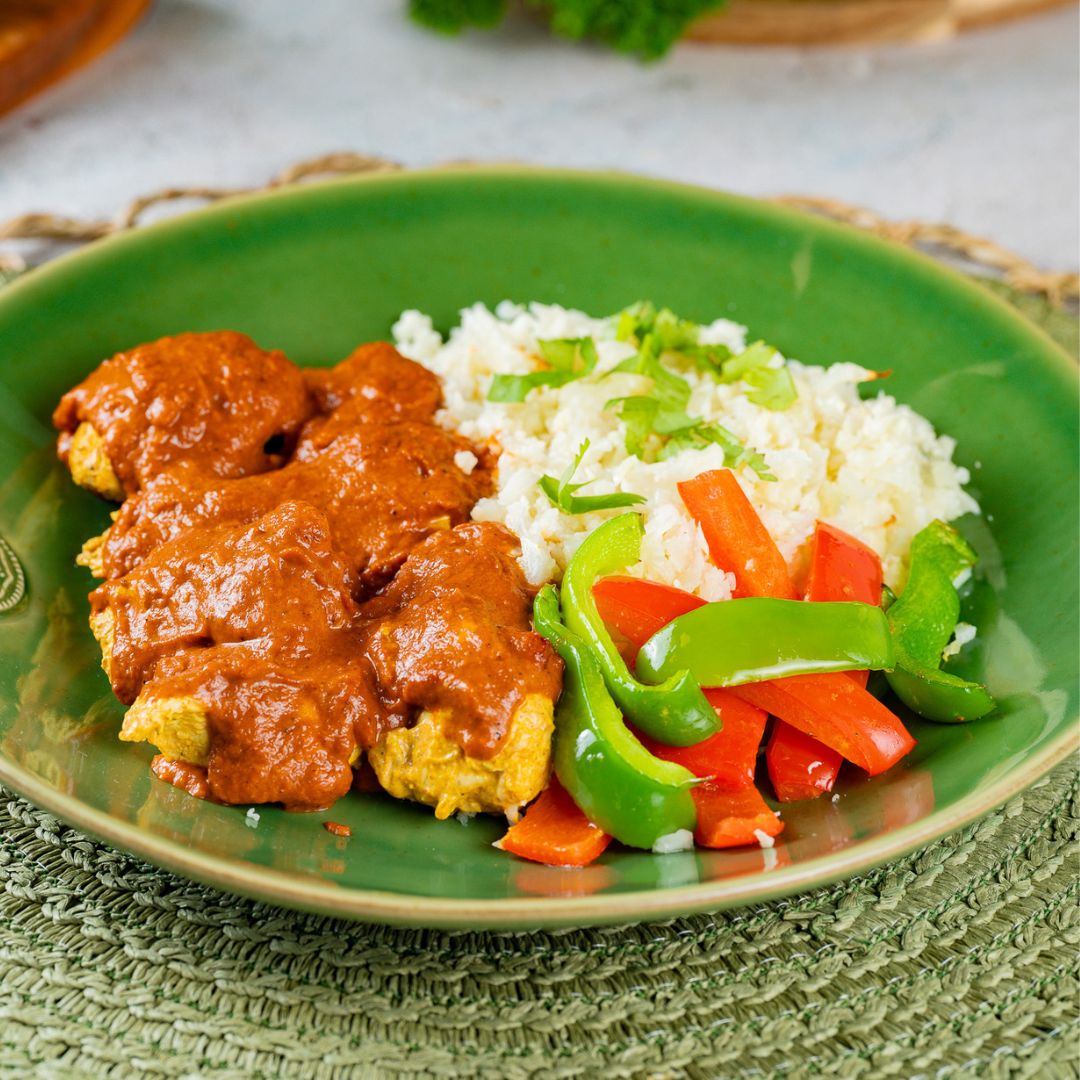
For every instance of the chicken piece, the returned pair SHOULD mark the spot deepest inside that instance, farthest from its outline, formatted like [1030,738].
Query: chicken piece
[89,463]
[177,726]
[92,553]
[451,637]
[452,633]
[374,384]
[423,764]
[383,487]
[238,649]
[216,400]
[103,627]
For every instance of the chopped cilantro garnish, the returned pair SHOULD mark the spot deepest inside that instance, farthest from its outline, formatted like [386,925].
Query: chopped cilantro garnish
[656,424]
[773,387]
[703,433]
[643,319]
[671,391]
[651,429]
[562,493]
[660,332]
[567,359]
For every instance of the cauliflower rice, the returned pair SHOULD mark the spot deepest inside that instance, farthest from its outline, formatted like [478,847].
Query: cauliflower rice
[873,468]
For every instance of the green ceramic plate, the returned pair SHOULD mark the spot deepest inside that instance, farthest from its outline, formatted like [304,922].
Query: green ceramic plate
[317,270]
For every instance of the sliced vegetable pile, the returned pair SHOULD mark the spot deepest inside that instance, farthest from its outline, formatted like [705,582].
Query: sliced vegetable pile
[643,754]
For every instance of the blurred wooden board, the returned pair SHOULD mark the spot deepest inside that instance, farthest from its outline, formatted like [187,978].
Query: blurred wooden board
[43,40]
[821,22]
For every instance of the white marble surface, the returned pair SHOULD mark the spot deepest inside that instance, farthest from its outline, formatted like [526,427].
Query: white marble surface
[980,131]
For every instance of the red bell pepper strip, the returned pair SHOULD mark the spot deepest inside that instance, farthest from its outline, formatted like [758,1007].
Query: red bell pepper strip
[555,832]
[834,710]
[731,818]
[738,541]
[831,708]
[799,766]
[841,568]
[637,608]
[727,758]
[730,810]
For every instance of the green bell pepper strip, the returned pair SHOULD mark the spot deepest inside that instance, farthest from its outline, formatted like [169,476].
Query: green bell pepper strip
[922,621]
[757,638]
[616,782]
[675,712]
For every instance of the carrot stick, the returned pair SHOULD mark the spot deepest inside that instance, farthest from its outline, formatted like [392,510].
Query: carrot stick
[731,818]
[738,541]
[555,832]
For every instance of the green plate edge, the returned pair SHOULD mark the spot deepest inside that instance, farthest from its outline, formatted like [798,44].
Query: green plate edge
[398,909]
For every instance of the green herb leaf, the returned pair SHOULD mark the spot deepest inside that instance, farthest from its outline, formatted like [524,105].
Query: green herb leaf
[708,358]
[705,434]
[569,354]
[674,334]
[671,391]
[642,320]
[638,416]
[772,387]
[561,492]
[568,359]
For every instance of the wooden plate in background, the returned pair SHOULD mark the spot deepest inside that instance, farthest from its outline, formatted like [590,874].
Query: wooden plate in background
[41,41]
[824,22]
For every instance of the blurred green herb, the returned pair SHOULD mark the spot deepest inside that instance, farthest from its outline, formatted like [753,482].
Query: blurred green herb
[646,28]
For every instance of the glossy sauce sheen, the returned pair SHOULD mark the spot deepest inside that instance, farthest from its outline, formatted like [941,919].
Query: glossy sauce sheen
[247,594]
[215,400]
[181,774]
[383,487]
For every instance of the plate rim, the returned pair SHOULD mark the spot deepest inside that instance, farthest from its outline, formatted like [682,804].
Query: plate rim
[325,897]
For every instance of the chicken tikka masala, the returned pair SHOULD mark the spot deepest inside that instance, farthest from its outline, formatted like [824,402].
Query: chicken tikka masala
[292,583]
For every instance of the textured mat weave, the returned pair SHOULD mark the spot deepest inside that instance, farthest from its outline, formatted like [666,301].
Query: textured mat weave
[958,961]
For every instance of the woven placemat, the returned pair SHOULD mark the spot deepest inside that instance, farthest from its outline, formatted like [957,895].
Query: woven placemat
[960,960]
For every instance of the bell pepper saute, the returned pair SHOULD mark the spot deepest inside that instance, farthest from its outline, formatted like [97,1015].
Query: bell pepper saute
[619,785]
[675,710]
[667,698]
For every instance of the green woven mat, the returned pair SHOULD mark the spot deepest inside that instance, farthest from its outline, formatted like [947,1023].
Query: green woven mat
[960,960]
